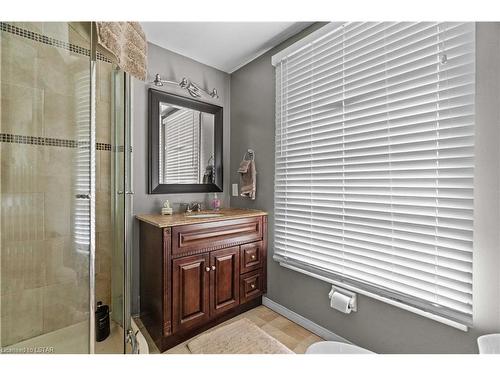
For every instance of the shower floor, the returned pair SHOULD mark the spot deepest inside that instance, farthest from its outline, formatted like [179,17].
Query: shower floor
[70,340]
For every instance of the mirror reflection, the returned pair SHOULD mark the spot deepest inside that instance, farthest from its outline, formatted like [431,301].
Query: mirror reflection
[186,146]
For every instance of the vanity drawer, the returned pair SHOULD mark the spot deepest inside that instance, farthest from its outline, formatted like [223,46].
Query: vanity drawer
[215,235]
[250,256]
[250,286]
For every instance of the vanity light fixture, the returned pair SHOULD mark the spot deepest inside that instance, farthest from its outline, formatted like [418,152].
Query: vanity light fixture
[193,89]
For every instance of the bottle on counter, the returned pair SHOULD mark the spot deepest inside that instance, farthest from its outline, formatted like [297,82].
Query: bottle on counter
[215,203]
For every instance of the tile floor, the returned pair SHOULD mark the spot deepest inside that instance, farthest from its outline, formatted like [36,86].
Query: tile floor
[287,332]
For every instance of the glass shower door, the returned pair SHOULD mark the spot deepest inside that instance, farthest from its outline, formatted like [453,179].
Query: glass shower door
[110,271]
[112,280]
[46,173]
[121,196]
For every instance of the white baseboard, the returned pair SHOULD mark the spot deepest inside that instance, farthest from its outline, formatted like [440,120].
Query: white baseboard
[303,322]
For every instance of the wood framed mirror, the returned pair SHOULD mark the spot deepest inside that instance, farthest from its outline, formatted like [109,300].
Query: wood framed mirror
[184,144]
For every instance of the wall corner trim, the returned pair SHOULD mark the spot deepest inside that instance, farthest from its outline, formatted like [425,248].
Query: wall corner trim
[302,321]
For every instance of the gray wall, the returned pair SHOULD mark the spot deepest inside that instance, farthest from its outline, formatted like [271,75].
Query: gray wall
[170,66]
[378,326]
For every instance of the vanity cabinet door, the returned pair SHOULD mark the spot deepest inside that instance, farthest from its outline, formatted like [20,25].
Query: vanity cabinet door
[224,276]
[191,291]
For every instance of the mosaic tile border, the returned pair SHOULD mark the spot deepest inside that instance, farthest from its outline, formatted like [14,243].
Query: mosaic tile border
[49,41]
[45,141]
[103,146]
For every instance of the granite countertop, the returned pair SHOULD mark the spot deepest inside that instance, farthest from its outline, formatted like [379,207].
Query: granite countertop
[164,221]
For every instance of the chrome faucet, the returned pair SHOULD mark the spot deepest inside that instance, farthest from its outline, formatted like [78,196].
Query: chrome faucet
[195,206]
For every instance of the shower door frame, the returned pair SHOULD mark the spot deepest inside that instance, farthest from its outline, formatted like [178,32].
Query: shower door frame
[93,104]
[130,336]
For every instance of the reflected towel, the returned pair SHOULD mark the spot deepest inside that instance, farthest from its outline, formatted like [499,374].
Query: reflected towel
[127,43]
[248,178]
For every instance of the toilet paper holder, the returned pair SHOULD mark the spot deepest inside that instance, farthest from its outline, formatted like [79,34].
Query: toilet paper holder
[353,303]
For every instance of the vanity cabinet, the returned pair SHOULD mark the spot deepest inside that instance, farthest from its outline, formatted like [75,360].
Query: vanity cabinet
[194,275]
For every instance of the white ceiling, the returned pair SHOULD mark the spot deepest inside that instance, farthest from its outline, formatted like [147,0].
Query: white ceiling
[223,45]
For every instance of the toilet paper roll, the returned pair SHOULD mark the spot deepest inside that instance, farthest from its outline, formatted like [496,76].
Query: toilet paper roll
[340,302]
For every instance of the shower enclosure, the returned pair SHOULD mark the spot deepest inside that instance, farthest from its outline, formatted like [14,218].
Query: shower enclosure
[65,190]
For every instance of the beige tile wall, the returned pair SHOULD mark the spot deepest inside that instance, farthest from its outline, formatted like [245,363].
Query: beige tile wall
[44,280]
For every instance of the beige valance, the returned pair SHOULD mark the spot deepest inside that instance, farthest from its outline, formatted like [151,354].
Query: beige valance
[126,41]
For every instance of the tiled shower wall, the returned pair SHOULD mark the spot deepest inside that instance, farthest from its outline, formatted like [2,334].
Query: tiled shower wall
[45,82]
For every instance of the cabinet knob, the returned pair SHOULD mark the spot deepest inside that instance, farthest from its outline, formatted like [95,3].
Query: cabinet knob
[207,269]
[252,256]
[213,268]
[252,286]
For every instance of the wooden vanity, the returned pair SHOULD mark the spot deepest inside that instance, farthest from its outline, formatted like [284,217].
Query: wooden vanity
[197,272]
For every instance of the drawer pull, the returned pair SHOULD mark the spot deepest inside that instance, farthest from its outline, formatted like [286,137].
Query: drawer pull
[253,256]
[207,269]
[252,286]
[213,268]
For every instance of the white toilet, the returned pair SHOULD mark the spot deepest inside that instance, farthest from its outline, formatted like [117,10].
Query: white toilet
[335,347]
[489,344]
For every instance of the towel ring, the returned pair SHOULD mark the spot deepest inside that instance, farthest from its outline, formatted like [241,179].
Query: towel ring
[250,154]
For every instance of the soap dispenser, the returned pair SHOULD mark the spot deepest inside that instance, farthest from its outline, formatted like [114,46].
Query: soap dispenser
[215,203]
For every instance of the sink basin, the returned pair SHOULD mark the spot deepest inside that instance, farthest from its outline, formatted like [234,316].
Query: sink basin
[200,216]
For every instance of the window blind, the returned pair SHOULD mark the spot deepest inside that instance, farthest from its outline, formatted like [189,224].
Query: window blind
[182,147]
[375,161]
[81,224]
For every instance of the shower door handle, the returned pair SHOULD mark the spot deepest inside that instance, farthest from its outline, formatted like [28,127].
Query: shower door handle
[82,196]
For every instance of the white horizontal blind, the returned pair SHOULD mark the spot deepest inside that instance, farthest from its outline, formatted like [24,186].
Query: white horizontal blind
[82,164]
[374,161]
[182,147]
